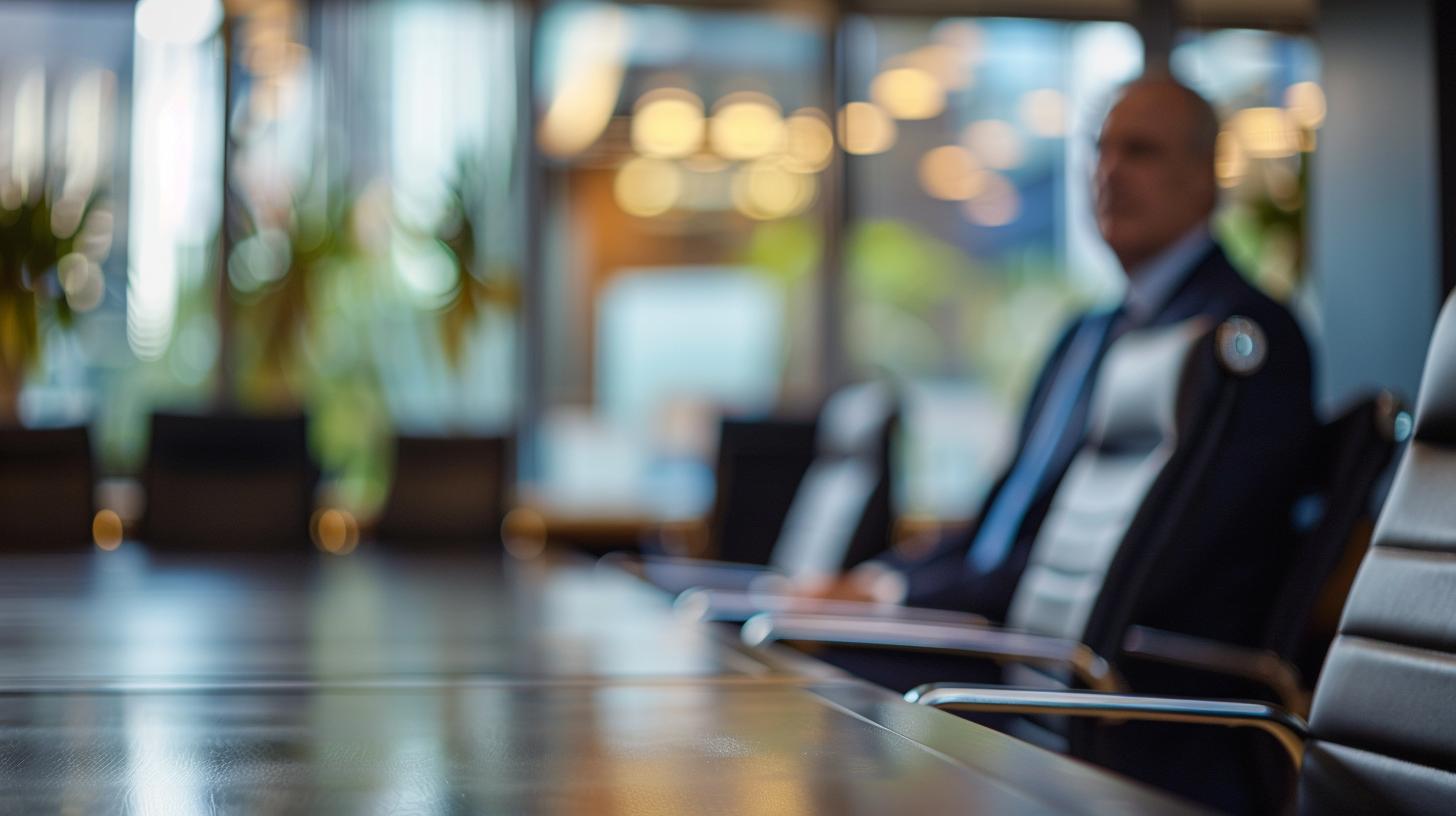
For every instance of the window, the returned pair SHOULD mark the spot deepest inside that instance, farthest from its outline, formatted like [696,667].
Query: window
[1266,88]
[971,239]
[684,153]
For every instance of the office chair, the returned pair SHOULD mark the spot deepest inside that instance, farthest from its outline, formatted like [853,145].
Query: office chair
[47,478]
[759,465]
[1131,540]
[840,513]
[1381,737]
[447,490]
[227,482]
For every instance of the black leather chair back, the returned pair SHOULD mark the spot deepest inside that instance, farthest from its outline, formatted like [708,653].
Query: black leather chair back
[1383,719]
[46,481]
[239,483]
[1332,521]
[759,466]
[842,514]
[447,490]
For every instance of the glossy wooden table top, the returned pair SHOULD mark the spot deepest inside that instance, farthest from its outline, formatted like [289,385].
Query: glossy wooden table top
[455,685]
[127,615]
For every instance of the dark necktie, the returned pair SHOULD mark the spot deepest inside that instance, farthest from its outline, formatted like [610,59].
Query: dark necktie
[1052,432]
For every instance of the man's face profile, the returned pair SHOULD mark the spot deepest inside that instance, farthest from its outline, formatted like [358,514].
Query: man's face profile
[1153,182]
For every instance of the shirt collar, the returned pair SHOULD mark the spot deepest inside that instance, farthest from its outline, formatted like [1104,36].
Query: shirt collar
[1151,284]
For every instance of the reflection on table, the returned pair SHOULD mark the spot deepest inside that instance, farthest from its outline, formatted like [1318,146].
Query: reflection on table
[455,683]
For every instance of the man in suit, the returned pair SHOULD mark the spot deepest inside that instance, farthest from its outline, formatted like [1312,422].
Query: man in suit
[1154,191]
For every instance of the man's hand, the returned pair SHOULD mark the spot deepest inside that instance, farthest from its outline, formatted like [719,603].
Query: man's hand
[869,582]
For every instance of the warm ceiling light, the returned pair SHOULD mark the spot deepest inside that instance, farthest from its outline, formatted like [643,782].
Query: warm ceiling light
[765,190]
[1229,162]
[908,93]
[646,187]
[590,80]
[809,143]
[865,128]
[1265,133]
[746,125]
[580,112]
[1306,103]
[668,123]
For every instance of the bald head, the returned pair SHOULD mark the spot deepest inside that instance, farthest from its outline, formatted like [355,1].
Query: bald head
[1155,178]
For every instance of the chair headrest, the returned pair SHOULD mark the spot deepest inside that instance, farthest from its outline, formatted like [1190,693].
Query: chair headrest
[1152,380]
[853,419]
[1134,404]
[1436,406]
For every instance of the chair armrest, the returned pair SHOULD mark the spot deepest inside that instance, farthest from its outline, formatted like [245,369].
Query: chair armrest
[733,606]
[1259,665]
[678,574]
[1288,729]
[937,636]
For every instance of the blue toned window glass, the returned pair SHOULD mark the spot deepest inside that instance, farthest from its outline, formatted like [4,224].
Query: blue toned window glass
[972,238]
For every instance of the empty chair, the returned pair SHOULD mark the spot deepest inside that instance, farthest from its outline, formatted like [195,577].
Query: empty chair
[222,482]
[447,490]
[1382,732]
[1333,518]
[840,513]
[759,466]
[47,480]
[1330,525]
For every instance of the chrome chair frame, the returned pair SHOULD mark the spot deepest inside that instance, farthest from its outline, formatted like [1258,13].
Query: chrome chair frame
[977,639]
[1290,730]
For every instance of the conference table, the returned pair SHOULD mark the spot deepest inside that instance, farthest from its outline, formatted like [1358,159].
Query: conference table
[390,681]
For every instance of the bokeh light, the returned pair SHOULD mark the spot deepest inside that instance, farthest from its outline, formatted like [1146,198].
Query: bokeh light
[1265,133]
[668,123]
[997,204]
[746,125]
[81,281]
[995,142]
[1044,112]
[965,36]
[865,129]
[951,173]
[585,96]
[334,531]
[950,66]
[579,114]
[646,187]
[524,533]
[1229,162]
[764,190]
[809,143]
[908,93]
[1306,103]
[106,530]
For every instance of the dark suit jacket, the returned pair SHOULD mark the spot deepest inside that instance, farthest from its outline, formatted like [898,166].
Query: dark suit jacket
[1272,428]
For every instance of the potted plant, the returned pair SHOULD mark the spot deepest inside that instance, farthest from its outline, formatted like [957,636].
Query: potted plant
[476,285]
[50,249]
